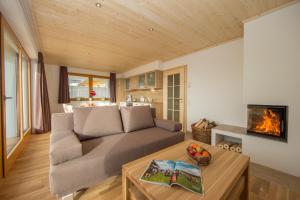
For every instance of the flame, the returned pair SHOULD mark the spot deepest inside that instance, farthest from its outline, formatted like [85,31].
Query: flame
[270,123]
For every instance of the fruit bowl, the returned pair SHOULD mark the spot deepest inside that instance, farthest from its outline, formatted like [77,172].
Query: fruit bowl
[199,154]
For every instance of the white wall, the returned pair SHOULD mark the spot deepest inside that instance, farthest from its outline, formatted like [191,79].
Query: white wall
[155,65]
[87,71]
[271,76]
[215,82]
[52,74]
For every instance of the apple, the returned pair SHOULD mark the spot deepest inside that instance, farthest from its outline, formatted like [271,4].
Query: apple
[192,152]
[198,154]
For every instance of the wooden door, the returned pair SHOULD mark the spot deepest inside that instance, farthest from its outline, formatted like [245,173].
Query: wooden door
[175,95]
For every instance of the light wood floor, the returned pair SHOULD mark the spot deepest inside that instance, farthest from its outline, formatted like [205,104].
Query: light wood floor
[29,179]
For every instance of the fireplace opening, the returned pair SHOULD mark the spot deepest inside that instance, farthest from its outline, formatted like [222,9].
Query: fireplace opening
[267,121]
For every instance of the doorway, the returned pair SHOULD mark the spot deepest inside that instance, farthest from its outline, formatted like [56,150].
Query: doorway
[174,92]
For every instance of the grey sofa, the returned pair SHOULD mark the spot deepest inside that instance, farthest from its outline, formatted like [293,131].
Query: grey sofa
[79,161]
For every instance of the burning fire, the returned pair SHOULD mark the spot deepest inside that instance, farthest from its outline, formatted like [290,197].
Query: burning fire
[270,123]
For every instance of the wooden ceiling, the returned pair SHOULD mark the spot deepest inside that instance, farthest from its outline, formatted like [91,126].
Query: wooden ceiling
[116,36]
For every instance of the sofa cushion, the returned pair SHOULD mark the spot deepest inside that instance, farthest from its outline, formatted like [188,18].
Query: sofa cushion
[168,124]
[62,121]
[136,118]
[64,146]
[97,121]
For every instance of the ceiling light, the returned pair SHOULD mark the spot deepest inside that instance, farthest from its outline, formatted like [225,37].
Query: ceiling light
[151,29]
[98,5]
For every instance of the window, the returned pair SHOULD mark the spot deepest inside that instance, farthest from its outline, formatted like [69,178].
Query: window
[80,86]
[101,87]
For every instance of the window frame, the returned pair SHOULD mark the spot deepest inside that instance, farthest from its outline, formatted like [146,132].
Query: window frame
[28,89]
[90,77]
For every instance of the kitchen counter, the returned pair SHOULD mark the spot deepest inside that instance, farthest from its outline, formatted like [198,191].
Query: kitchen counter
[157,105]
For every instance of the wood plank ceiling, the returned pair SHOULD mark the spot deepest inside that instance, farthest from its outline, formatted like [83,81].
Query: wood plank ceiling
[117,35]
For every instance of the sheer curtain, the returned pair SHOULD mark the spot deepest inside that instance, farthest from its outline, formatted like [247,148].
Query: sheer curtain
[41,118]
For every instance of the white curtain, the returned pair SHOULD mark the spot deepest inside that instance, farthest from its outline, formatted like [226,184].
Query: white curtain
[36,103]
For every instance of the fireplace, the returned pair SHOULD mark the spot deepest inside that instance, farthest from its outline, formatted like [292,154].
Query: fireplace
[267,121]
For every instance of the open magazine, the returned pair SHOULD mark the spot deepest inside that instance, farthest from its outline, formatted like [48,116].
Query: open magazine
[169,173]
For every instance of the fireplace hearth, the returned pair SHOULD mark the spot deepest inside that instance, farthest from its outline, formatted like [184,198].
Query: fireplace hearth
[268,121]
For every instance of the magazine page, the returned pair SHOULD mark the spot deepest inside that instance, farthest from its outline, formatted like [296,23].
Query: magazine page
[159,172]
[188,176]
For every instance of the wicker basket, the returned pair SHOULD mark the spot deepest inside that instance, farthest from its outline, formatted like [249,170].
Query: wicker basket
[201,135]
[201,161]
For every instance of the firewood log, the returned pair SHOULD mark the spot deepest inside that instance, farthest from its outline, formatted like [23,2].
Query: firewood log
[239,148]
[221,145]
[199,122]
[203,125]
[211,124]
[233,147]
[227,145]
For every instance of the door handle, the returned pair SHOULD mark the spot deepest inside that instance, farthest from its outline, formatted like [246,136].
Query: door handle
[7,98]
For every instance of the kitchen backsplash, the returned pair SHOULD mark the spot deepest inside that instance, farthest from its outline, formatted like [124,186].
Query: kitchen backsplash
[156,95]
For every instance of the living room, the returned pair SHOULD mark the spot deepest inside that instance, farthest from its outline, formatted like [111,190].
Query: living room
[114,87]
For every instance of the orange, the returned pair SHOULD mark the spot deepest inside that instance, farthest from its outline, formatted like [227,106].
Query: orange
[194,145]
[205,153]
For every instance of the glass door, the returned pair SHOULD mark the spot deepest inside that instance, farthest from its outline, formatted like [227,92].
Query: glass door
[10,97]
[174,95]
[15,92]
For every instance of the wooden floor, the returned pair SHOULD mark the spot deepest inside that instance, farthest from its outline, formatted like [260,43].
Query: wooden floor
[28,179]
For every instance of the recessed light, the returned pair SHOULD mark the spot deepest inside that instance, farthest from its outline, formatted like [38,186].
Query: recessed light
[98,5]
[151,29]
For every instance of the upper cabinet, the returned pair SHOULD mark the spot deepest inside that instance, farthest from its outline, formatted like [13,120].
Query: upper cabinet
[149,80]
[142,81]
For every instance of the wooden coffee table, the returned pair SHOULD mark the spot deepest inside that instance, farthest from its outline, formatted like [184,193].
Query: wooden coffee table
[226,177]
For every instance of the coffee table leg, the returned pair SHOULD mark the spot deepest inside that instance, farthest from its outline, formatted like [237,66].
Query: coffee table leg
[125,186]
[245,193]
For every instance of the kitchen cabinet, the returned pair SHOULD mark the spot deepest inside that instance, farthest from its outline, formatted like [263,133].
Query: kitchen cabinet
[142,81]
[149,80]
[154,79]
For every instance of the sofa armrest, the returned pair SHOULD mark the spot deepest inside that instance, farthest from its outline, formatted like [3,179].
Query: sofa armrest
[64,146]
[62,122]
[168,125]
